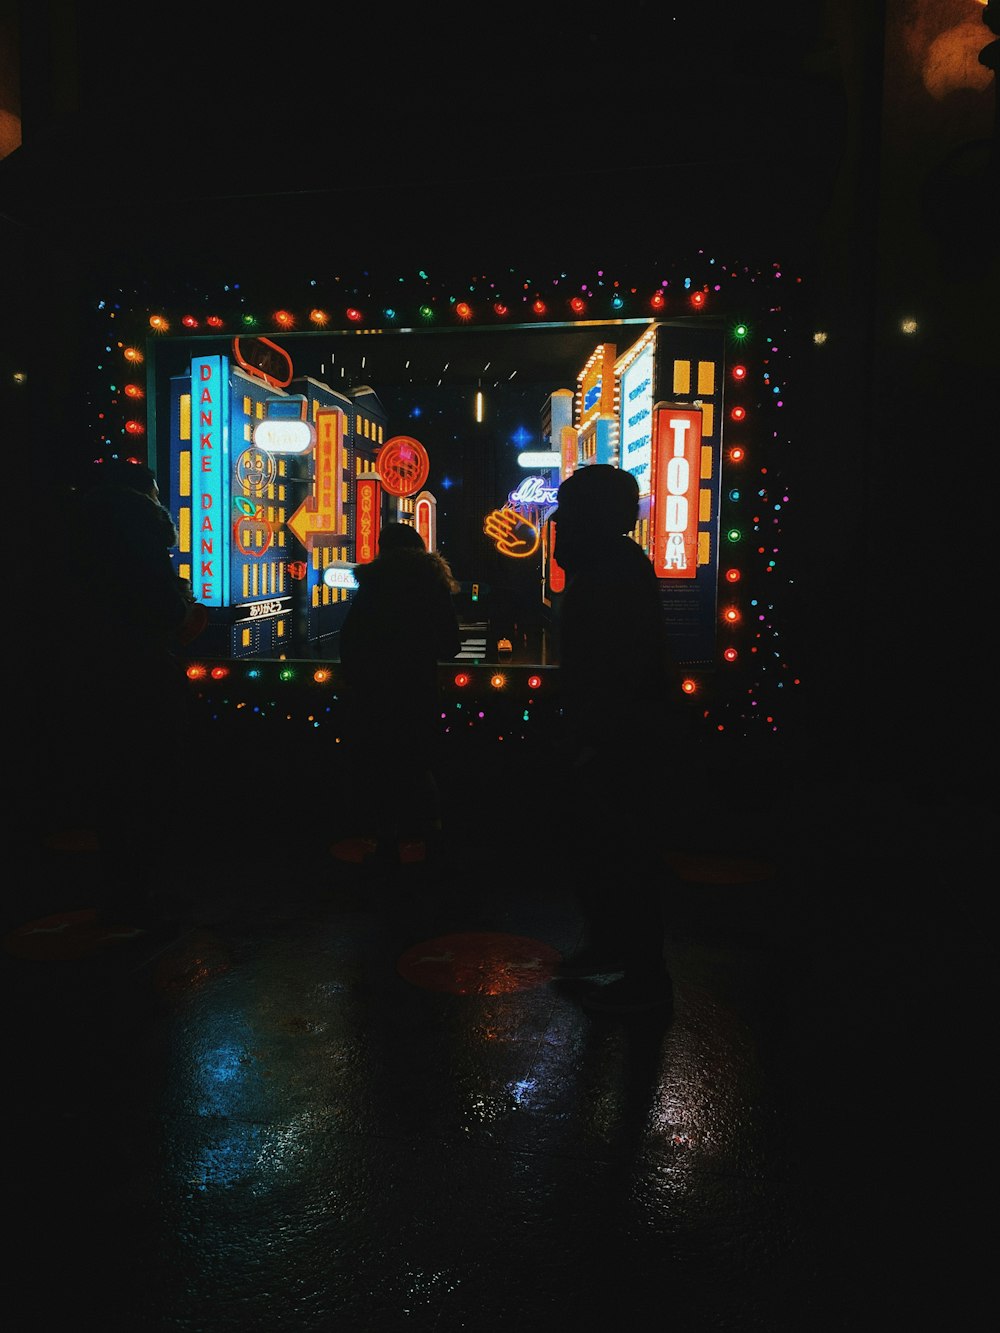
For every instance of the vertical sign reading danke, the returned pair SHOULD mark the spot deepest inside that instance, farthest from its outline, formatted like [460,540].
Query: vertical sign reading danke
[210,526]
[676,479]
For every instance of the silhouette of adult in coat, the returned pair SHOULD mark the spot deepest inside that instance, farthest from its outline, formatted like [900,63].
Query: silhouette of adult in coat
[127,612]
[621,690]
[401,622]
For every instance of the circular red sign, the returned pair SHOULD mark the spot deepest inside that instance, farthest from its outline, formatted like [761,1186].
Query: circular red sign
[403,465]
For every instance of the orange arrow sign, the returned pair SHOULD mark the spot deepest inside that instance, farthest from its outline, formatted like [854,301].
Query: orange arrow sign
[320,513]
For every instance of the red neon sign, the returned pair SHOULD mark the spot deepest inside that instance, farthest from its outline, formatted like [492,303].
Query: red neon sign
[265,360]
[676,478]
[423,514]
[403,465]
[368,515]
[557,575]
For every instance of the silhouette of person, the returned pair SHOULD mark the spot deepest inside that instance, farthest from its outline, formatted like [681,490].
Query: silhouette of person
[620,688]
[401,622]
[129,611]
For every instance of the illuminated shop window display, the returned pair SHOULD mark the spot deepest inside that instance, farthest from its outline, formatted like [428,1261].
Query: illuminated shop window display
[284,437]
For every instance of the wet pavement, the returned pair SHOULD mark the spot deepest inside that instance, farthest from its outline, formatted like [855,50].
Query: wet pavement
[319,1099]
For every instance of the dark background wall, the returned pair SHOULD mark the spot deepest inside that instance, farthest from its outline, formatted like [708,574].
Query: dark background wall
[855,141]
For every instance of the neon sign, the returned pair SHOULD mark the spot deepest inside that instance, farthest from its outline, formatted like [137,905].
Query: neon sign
[340,576]
[210,543]
[264,360]
[676,454]
[636,418]
[512,533]
[252,533]
[533,491]
[567,451]
[403,465]
[319,514]
[368,518]
[255,470]
[423,519]
[284,437]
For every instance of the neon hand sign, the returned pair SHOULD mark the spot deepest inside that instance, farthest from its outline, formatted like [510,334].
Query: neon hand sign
[512,533]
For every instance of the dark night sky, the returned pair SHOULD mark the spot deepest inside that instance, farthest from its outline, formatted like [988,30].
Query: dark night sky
[207,136]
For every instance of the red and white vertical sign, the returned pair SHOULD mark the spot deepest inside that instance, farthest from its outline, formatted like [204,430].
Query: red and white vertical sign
[676,481]
[423,519]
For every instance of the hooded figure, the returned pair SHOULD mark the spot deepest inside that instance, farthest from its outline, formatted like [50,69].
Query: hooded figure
[127,734]
[126,593]
[401,622]
[617,670]
[620,686]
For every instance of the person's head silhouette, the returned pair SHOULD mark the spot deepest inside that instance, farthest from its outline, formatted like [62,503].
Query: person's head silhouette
[595,505]
[399,537]
[125,472]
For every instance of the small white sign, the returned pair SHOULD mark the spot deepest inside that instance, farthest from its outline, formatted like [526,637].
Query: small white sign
[340,576]
[538,459]
[284,437]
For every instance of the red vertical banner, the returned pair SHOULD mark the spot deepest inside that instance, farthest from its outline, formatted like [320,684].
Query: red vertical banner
[557,575]
[676,482]
[367,519]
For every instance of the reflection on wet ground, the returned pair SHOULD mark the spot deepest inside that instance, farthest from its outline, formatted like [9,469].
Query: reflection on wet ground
[326,1099]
